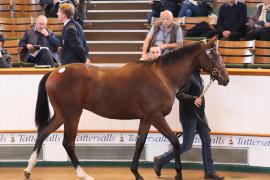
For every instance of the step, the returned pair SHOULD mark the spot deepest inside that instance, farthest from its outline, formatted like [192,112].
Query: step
[116,14]
[119,57]
[114,46]
[115,35]
[131,24]
[120,5]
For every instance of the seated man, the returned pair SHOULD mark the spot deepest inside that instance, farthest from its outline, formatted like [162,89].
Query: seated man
[5,58]
[40,44]
[231,20]
[165,34]
[193,8]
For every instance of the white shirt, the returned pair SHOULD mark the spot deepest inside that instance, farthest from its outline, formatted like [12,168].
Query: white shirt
[66,22]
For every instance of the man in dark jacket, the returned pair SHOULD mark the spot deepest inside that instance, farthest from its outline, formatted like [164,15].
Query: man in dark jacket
[40,43]
[192,119]
[74,48]
[231,20]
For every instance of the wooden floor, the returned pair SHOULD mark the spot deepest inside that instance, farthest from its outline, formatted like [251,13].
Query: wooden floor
[117,173]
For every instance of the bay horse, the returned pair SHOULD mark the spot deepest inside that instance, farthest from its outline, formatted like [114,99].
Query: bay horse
[142,90]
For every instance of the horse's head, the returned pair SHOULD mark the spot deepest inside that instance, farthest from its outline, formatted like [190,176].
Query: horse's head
[212,62]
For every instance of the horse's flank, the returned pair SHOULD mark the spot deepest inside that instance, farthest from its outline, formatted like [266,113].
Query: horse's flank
[118,93]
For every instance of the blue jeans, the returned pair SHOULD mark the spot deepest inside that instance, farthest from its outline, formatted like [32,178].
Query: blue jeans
[190,10]
[189,127]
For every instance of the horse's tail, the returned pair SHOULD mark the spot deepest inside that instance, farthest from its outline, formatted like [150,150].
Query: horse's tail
[42,114]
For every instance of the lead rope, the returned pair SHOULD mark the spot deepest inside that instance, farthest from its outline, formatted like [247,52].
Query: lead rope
[207,87]
[204,91]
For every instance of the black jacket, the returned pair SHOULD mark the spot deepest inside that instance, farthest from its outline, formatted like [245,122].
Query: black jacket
[192,90]
[232,18]
[74,48]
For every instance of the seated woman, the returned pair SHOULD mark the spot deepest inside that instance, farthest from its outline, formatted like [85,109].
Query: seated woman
[5,58]
[195,8]
[259,23]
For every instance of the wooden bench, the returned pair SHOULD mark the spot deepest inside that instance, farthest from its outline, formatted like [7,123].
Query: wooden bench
[236,51]
[13,49]
[262,52]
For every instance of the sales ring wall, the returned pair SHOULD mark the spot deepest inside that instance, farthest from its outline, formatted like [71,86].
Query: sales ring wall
[237,114]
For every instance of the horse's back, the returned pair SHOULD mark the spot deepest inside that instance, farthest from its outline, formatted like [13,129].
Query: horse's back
[118,93]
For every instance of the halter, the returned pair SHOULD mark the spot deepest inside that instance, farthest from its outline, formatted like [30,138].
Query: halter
[214,74]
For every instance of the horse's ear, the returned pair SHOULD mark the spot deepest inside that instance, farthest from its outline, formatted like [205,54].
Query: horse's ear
[212,40]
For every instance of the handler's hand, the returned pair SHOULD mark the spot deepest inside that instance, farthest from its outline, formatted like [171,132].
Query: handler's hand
[198,102]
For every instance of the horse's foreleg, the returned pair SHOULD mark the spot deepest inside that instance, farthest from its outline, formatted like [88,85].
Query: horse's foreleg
[70,134]
[43,133]
[142,134]
[162,126]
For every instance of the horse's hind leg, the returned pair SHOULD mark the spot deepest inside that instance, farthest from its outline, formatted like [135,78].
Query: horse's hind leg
[161,125]
[43,133]
[142,134]
[70,133]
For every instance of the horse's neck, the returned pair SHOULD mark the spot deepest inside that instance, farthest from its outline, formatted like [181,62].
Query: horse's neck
[177,72]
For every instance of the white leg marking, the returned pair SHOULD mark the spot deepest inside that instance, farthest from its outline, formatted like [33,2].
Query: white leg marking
[32,162]
[82,174]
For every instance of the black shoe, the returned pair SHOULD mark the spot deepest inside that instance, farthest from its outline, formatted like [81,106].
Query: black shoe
[157,166]
[213,176]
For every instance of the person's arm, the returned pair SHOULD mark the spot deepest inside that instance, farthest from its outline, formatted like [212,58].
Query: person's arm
[53,40]
[146,43]
[169,46]
[24,41]
[74,42]
[253,19]
[177,44]
[86,49]
[182,94]
[242,20]
[220,20]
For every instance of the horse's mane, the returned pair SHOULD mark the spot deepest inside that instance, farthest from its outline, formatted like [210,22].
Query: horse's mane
[174,55]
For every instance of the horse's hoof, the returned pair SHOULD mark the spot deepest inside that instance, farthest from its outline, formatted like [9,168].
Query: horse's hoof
[87,178]
[26,174]
[139,177]
[178,178]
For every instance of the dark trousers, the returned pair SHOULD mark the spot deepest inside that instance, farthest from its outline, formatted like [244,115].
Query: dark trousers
[190,10]
[262,34]
[44,57]
[189,127]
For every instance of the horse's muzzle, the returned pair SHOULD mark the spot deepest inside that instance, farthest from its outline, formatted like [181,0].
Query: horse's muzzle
[223,81]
